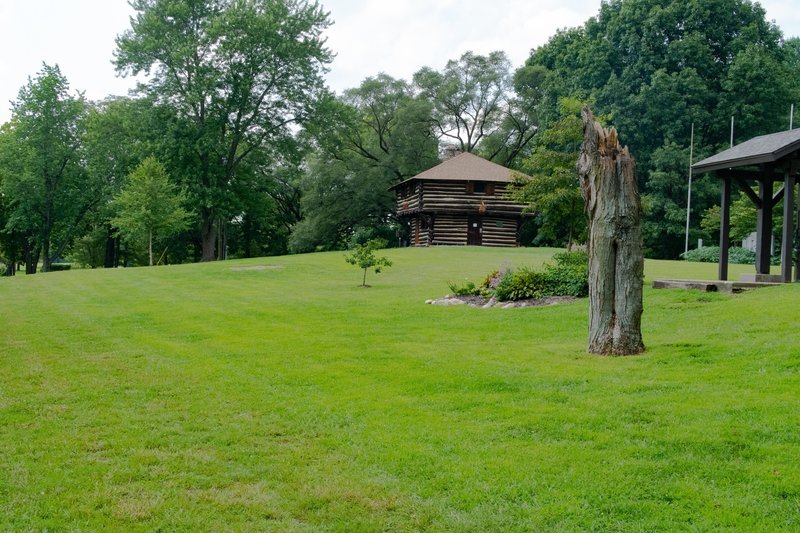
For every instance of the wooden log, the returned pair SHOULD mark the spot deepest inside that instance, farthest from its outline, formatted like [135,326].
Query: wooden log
[616,260]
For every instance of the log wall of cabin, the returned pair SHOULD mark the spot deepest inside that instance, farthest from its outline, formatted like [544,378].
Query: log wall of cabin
[408,196]
[450,229]
[420,230]
[498,231]
[440,196]
[438,212]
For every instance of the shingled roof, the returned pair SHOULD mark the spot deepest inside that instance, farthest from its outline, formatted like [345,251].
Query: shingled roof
[763,149]
[467,167]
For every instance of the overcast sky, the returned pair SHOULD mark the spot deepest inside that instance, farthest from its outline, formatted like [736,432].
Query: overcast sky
[368,36]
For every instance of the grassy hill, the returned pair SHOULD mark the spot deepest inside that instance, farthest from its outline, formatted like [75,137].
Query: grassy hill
[204,397]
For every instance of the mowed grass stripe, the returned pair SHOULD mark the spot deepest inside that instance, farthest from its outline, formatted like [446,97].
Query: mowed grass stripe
[199,397]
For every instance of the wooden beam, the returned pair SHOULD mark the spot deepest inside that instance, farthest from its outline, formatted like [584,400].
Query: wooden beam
[764,227]
[787,244]
[777,196]
[745,187]
[750,175]
[724,228]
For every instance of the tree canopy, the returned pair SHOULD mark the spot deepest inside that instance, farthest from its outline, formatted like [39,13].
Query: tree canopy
[239,73]
[148,207]
[235,108]
[653,68]
[41,161]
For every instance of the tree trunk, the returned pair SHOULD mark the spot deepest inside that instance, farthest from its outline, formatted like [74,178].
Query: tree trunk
[616,261]
[46,253]
[117,251]
[150,246]
[208,236]
[109,259]
[31,257]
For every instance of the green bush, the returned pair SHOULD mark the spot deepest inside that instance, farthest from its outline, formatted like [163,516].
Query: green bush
[468,288]
[567,277]
[520,284]
[577,259]
[55,267]
[736,255]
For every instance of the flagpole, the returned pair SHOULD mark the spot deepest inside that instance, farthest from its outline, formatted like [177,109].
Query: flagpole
[689,198]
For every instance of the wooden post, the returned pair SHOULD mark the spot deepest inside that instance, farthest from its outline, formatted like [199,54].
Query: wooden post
[764,226]
[787,243]
[797,235]
[724,228]
[616,261]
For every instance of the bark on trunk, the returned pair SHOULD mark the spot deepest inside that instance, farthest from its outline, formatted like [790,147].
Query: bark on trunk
[109,259]
[31,257]
[46,254]
[150,246]
[208,237]
[616,261]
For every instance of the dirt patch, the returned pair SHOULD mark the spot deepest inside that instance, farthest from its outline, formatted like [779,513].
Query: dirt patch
[257,267]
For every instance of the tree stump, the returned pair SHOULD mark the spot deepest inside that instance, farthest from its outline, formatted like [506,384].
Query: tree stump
[616,262]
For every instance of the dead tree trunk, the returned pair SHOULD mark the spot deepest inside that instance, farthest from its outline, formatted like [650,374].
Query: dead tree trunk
[616,261]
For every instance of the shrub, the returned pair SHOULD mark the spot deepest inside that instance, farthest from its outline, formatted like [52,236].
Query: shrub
[736,255]
[467,289]
[493,279]
[521,284]
[55,267]
[576,258]
[567,281]
[567,277]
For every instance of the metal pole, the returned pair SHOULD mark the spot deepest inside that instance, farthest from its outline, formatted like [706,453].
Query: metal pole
[731,131]
[791,118]
[689,197]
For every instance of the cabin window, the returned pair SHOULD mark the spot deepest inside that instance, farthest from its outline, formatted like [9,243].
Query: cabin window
[480,187]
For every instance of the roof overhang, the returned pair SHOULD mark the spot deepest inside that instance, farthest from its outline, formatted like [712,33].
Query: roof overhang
[763,150]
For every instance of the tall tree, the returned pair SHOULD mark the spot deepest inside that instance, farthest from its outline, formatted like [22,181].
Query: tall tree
[472,99]
[241,71]
[12,241]
[149,207]
[654,67]
[120,133]
[50,192]
[553,192]
[373,137]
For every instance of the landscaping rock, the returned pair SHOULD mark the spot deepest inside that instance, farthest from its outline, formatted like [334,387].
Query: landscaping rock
[448,301]
[483,303]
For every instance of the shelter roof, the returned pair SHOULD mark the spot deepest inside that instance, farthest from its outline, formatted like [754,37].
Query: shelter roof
[758,150]
[467,167]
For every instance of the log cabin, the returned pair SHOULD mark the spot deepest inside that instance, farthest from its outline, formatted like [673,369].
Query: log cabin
[463,201]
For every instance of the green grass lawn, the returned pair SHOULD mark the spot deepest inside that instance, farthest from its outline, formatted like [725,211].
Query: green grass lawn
[199,397]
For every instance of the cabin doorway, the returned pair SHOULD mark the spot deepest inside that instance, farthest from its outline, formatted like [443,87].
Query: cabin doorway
[474,230]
